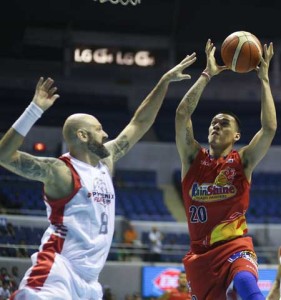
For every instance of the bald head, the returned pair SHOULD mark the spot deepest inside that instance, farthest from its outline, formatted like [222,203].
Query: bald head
[75,122]
[83,133]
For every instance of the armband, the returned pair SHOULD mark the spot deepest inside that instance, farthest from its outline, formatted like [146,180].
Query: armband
[24,123]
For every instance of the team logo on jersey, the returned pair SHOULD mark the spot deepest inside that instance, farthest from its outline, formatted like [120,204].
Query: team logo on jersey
[100,194]
[221,189]
[102,198]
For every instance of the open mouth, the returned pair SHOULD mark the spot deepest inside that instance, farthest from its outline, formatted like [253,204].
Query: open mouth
[215,133]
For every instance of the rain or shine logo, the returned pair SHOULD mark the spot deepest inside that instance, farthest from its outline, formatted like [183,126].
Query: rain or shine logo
[221,189]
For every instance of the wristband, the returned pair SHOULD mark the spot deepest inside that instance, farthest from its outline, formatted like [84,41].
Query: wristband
[204,73]
[24,123]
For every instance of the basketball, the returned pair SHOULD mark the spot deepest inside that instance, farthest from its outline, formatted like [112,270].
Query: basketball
[241,51]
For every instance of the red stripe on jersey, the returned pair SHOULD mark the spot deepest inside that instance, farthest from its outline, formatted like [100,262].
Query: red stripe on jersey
[45,260]
[58,205]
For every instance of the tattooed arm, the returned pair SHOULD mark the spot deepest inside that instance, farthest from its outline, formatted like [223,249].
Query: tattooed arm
[52,172]
[147,111]
[187,146]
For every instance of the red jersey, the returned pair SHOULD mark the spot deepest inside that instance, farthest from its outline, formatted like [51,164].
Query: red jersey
[216,198]
[175,294]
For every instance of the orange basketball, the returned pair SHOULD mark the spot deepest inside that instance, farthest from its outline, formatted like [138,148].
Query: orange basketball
[241,51]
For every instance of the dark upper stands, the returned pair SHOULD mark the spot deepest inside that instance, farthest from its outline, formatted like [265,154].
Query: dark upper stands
[112,111]
[247,111]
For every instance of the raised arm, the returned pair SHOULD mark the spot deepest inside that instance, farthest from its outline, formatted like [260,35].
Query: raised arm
[147,111]
[253,153]
[26,165]
[186,144]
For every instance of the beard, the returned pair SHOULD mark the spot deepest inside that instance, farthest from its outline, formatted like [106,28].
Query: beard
[97,148]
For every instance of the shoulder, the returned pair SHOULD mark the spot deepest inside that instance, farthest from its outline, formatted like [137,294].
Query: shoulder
[65,162]
[58,167]
[199,154]
[241,153]
[108,164]
[202,151]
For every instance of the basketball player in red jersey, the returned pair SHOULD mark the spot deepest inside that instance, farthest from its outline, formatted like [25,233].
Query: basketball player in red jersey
[182,292]
[216,182]
[79,194]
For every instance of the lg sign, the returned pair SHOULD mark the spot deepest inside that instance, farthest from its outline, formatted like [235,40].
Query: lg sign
[110,56]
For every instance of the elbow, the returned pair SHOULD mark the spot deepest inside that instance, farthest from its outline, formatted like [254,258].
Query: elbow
[141,125]
[269,123]
[271,129]
[273,126]
[6,157]
[180,112]
[3,157]
[4,160]
[142,122]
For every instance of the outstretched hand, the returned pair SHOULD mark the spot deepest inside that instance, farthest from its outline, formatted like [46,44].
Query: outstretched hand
[264,65]
[212,67]
[45,95]
[176,73]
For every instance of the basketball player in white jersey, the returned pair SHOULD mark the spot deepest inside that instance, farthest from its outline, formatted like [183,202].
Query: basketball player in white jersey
[79,194]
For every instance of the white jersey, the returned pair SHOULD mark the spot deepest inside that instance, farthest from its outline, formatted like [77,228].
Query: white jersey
[81,228]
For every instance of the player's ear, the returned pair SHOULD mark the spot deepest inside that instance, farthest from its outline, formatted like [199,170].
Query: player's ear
[237,136]
[82,135]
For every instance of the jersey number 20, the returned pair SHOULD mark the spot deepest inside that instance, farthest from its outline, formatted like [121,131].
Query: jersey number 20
[198,214]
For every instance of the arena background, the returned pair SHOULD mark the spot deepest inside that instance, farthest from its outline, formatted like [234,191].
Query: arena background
[105,58]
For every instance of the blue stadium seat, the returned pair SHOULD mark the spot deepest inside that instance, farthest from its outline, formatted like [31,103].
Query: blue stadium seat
[143,203]
[135,178]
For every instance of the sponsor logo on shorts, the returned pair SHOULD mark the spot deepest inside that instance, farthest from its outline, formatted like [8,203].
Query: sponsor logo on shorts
[248,255]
